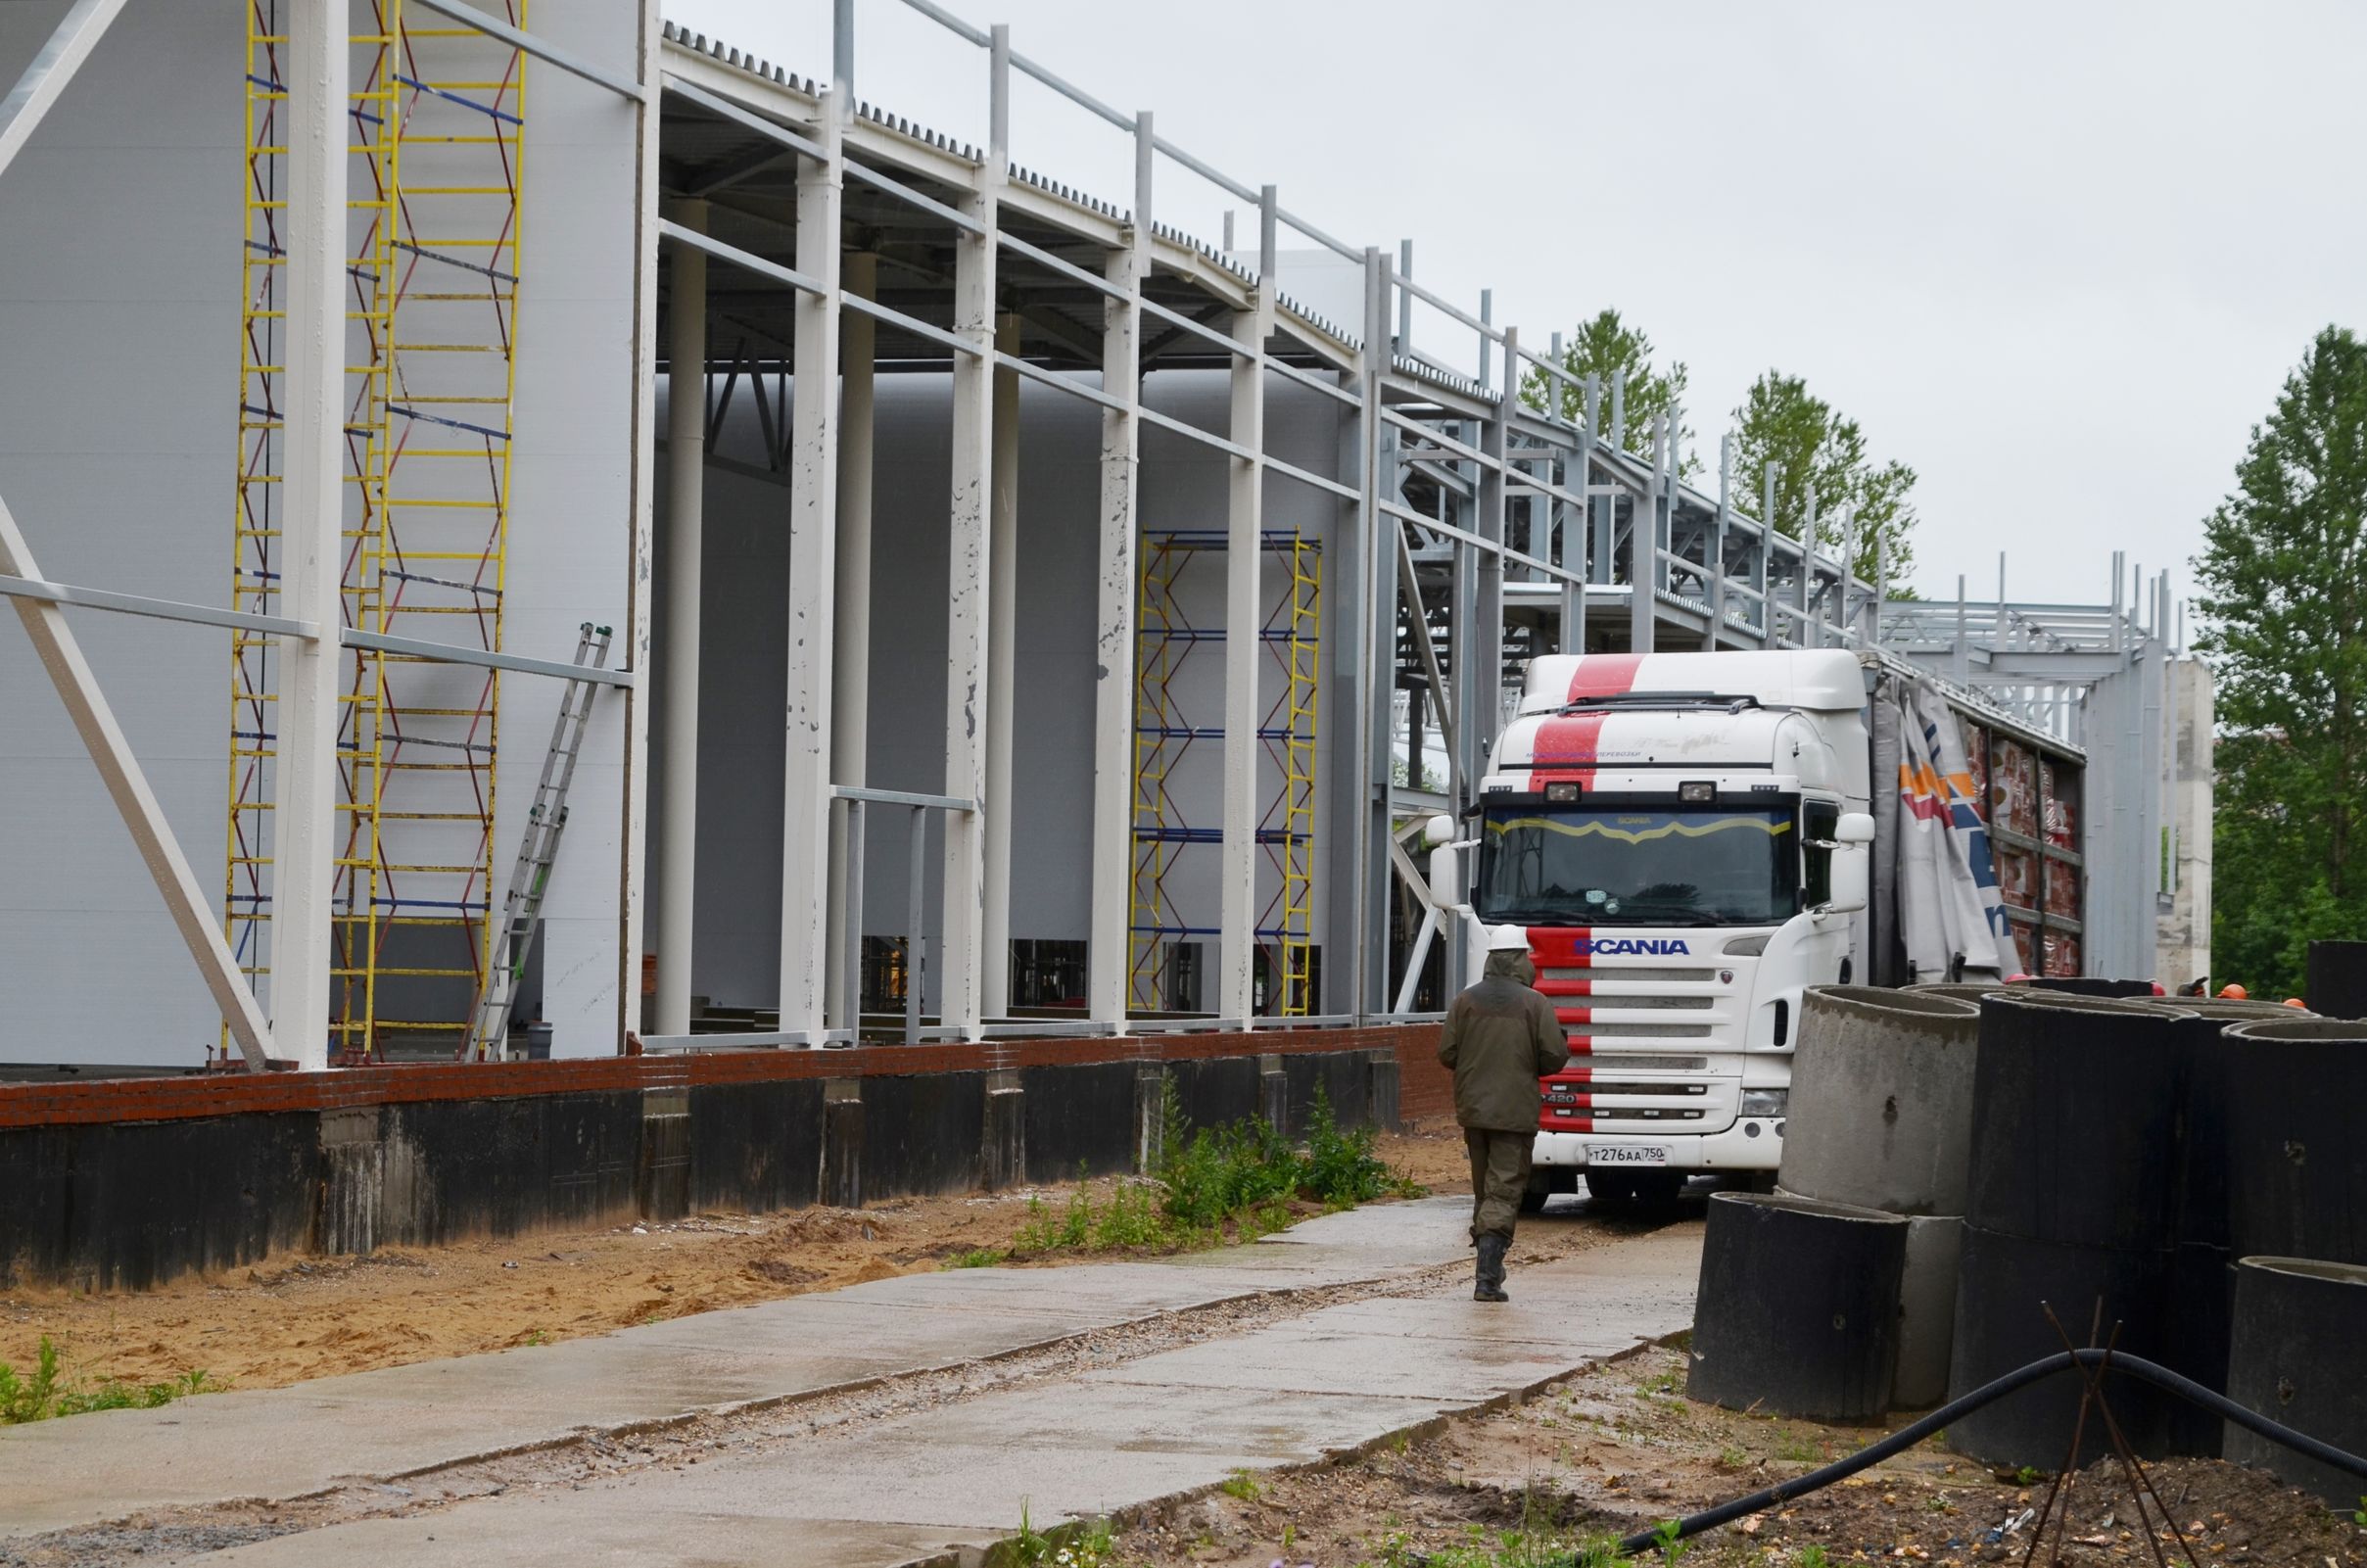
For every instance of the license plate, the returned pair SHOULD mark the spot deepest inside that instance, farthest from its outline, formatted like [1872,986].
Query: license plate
[1627,1154]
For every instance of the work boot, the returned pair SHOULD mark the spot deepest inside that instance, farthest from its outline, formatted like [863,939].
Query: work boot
[1490,1286]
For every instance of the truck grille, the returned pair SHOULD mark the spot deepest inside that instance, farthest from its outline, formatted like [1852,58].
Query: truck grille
[1621,1020]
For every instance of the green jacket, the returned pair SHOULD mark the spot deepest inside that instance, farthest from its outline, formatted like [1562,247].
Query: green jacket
[1500,1037]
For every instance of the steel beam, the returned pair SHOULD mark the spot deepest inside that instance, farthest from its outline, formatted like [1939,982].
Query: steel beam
[1108,949]
[550,54]
[686,544]
[805,915]
[44,81]
[968,583]
[851,629]
[191,910]
[1245,560]
[1002,676]
[313,65]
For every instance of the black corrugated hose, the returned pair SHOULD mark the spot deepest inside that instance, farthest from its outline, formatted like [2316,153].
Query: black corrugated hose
[2022,1377]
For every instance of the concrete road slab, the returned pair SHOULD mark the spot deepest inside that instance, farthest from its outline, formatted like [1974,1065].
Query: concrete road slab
[581,1533]
[1126,1417]
[1305,1359]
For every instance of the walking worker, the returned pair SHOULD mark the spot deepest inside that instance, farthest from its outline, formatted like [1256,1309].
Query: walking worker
[1499,1038]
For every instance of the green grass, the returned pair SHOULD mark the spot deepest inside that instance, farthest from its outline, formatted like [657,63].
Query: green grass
[978,1257]
[46,1394]
[1810,1557]
[1242,1485]
[1211,1185]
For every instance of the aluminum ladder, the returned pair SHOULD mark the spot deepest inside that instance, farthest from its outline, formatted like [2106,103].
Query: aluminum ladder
[546,820]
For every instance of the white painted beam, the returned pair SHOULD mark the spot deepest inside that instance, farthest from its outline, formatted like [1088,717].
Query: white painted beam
[678,659]
[44,81]
[851,632]
[969,590]
[1002,675]
[62,656]
[1245,561]
[1110,950]
[304,823]
[805,848]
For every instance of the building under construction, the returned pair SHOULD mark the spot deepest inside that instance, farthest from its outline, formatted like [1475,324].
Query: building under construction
[553,529]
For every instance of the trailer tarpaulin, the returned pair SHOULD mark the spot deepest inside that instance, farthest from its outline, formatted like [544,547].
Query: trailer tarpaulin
[1944,902]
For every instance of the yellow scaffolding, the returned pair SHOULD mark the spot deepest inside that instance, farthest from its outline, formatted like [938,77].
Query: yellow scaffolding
[1293,636]
[435,130]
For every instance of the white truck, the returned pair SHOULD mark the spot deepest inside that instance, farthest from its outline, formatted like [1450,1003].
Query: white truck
[1685,838]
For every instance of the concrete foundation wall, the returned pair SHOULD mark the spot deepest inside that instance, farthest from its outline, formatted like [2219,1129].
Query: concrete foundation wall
[125,1184]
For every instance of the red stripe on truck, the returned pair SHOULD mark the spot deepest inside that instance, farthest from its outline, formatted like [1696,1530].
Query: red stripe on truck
[1605,675]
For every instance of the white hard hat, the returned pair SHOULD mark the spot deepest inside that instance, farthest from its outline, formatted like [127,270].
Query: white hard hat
[1508,939]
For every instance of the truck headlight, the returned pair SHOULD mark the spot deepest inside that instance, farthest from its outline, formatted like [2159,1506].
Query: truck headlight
[1764,1102]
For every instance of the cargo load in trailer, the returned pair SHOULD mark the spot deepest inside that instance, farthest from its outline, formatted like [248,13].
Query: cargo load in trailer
[1690,842]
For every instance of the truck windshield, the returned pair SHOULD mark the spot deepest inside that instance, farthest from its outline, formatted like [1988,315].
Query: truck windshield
[1614,865]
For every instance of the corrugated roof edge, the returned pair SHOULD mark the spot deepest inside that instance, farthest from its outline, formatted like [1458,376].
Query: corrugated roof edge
[764,70]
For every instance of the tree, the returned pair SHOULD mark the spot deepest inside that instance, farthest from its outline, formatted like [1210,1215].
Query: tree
[1809,442]
[1603,346]
[2286,632]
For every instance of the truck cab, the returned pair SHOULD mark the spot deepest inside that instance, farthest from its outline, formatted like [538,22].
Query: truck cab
[1683,840]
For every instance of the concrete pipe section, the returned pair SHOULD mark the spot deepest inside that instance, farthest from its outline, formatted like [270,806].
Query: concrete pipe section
[2202,1282]
[2070,1206]
[1881,1116]
[1961,991]
[1797,1313]
[2091,985]
[2297,1166]
[2299,1358]
[1881,1100]
[2337,980]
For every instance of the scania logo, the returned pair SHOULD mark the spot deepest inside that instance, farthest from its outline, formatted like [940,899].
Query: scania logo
[1612,946]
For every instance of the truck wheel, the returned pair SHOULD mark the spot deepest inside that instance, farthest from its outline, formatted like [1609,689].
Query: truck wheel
[1657,1189]
[1611,1187]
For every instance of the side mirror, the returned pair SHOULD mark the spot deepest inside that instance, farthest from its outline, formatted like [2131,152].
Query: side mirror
[1440,829]
[1446,875]
[1852,864]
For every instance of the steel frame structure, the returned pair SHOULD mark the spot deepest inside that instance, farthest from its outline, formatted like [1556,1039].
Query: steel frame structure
[295,361]
[1482,527]
[832,238]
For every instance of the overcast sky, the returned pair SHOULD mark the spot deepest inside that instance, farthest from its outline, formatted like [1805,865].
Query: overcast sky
[2058,258]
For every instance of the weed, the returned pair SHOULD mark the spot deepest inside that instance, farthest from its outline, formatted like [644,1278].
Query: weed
[45,1395]
[538,1337]
[2027,1477]
[2360,1518]
[1290,1537]
[976,1258]
[1242,1485]
[1672,1547]
[1797,1449]
[1733,1459]
[1810,1557]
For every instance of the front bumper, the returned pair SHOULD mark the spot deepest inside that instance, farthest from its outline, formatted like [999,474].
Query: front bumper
[1754,1143]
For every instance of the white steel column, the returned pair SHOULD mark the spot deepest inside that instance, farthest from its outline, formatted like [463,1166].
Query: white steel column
[1245,560]
[969,606]
[1002,676]
[1110,949]
[312,512]
[805,847]
[851,631]
[678,661]
[1485,716]
[634,785]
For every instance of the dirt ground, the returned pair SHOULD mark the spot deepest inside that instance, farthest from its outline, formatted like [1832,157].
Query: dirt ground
[293,1318]
[1618,1451]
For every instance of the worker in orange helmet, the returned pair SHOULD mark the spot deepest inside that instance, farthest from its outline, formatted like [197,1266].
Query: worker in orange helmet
[2294,1001]
[2234,993]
